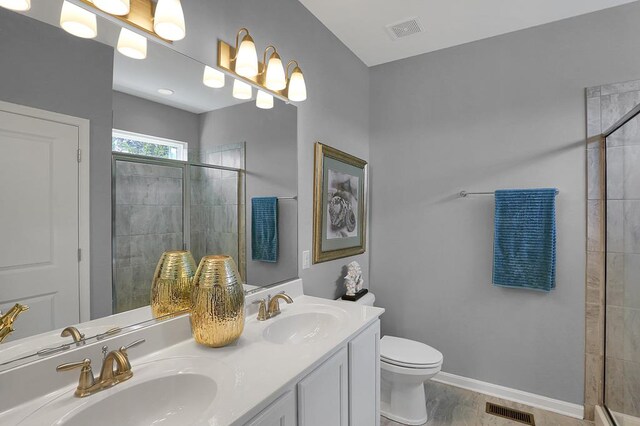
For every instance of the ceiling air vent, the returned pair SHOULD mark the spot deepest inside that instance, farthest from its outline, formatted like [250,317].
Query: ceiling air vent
[404,29]
[510,413]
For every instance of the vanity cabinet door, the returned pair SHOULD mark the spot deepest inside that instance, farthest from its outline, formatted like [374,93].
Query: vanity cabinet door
[323,396]
[281,413]
[364,377]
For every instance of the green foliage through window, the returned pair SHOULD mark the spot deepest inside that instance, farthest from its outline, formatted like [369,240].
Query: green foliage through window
[131,146]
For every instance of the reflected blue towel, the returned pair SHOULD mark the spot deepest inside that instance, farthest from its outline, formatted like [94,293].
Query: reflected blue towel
[524,249]
[264,229]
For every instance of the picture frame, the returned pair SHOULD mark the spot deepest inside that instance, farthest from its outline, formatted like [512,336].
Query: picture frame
[340,187]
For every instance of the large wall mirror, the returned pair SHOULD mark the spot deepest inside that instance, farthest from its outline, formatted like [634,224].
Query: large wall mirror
[172,164]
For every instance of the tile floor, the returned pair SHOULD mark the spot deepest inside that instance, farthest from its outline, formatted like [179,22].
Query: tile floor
[448,405]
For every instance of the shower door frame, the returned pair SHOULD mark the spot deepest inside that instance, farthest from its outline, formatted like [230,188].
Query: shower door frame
[185,166]
[633,113]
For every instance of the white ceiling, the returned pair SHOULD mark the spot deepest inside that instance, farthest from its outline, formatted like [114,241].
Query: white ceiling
[360,24]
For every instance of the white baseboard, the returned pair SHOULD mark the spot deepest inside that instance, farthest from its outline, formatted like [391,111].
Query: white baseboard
[531,399]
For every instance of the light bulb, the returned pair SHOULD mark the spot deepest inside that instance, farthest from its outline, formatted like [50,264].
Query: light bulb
[297,88]
[17,5]
[213,78]
[114,7]
[241,90]
[247,58]
[264,100]
[168,21]
[275,79]
[132,45]
[78,21]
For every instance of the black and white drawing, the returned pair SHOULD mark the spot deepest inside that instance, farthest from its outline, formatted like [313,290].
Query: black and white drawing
[342,205]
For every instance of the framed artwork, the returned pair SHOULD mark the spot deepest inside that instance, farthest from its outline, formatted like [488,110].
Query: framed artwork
[339,204]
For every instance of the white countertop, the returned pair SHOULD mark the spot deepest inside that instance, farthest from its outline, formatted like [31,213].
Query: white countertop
[250,373]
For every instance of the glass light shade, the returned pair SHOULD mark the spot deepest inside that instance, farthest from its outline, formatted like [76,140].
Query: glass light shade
[78,21]
[275,79]
[168,21]
[241,90]
[297,87]
[17,5]
[132,45]
[213,78]
[247,58]
[114,7]
[264,100]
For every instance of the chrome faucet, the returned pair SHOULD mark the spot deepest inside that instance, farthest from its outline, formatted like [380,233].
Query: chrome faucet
[116,368]
[77,337]
[270,307]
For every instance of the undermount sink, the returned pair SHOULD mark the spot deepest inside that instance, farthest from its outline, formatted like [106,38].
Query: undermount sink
[304,327]
[167,392]
[172,400]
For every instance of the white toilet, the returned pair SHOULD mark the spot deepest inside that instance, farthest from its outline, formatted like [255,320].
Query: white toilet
[404,367]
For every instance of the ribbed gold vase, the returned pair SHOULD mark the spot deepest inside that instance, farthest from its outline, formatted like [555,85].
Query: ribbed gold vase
[217,303]
[172,283]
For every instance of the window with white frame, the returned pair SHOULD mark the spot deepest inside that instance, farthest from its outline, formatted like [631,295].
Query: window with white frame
[150,146]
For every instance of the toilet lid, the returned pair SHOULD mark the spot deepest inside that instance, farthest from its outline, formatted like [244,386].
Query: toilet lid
[410,353]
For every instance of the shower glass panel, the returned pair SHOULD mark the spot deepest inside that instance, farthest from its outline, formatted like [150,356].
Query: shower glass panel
[148,220]
[215,212]
[622,348]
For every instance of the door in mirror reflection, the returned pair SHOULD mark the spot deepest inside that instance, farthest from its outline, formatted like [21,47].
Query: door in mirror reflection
[148,220]
[39,222]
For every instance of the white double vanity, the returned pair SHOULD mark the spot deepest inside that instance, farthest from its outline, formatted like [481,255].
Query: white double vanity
[317,363]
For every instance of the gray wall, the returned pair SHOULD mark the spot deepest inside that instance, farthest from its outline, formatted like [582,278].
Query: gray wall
[336,113]
[271,164]
[505,112]
[138,115]
[44,67]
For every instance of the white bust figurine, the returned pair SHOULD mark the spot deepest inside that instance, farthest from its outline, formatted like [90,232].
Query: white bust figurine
[353,280]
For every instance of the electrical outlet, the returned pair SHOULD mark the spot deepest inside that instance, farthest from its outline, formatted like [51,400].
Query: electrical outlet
[306,259]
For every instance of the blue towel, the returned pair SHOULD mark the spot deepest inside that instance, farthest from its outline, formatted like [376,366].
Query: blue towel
[524,249]
[264,229]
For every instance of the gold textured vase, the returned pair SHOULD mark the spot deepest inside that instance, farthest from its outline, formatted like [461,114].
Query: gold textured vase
[217,304]
[172,283]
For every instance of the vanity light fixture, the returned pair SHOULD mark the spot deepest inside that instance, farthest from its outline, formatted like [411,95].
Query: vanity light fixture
[296,89]
[264,100]
[246,59]
[241,90]
[78,21]
[268,76]
[132,44]
[17,5]
[114,7]
[274,76]
[213,78]
[168,21]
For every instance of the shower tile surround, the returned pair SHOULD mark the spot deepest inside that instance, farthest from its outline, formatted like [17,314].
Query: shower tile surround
[149,218]
[620,256]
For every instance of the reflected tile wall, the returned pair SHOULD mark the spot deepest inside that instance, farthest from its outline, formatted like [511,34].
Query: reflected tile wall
[148,222]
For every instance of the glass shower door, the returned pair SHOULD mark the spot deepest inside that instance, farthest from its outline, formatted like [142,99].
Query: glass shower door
[622,347]
[148,220]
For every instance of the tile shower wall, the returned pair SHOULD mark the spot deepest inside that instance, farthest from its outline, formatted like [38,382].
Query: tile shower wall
[216,208]
[148,221]
[619,373]
[622,366]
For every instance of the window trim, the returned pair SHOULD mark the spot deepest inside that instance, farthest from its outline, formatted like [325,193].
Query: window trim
[182,147]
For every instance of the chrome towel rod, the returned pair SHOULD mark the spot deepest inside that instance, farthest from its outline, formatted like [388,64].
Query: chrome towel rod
[464,194]
[295,197]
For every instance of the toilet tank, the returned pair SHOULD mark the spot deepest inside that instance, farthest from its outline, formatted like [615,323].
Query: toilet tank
[366,300]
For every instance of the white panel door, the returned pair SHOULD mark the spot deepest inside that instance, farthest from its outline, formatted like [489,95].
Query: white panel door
[323,396]
[39,222]
[364,377]
[281,413]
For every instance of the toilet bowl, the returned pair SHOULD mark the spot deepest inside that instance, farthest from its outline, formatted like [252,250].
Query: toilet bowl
[404,367]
